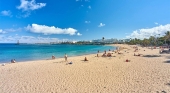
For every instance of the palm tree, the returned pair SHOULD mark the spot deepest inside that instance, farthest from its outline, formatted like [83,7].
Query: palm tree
[167,36]
[158,39]
[145,42]
[152,40]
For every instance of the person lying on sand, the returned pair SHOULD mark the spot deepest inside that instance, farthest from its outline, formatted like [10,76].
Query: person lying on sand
[120,53]
[138,54]
[136,50]
[13,61]
[109,54]
[104,55]
[85,59]
[69,63]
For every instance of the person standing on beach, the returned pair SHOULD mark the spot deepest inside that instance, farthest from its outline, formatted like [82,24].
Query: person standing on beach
[65,57]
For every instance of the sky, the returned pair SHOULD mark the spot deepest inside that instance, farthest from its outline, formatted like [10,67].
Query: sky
[41,21]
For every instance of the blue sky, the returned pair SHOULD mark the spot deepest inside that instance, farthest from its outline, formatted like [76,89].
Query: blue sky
[32,21]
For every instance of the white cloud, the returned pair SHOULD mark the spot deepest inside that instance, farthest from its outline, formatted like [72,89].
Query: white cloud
[46,30]
[79,34]
[87,22]
[156,23]
[6,13]
[2,32]
[89,7]
[101,25]
[30,5]
[146,33]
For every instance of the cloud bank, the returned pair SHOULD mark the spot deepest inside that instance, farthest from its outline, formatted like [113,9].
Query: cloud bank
[47,30]
[146,33]
[27,39]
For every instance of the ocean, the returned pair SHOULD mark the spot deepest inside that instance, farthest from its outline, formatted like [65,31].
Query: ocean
[29,52]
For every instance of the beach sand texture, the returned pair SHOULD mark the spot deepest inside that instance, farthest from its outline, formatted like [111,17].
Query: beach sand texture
[98,75]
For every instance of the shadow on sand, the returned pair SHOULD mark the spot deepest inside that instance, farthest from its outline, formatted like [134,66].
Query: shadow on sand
[168,84]
[151,55]
[60,62]
[168,57]
[168,61]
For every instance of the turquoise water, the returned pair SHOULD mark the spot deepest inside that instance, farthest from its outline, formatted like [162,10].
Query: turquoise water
[28,52]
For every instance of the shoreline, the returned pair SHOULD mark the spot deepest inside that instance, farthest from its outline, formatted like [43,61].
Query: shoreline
[55,56]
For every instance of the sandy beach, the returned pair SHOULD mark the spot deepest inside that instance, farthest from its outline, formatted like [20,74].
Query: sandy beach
[143,74]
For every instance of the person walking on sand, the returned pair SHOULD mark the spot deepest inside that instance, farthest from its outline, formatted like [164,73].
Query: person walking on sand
[65,57]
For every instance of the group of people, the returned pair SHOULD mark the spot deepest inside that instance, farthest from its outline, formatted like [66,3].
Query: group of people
[106,54]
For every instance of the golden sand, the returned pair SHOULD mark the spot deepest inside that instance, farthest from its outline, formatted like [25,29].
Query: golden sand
[142,74]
